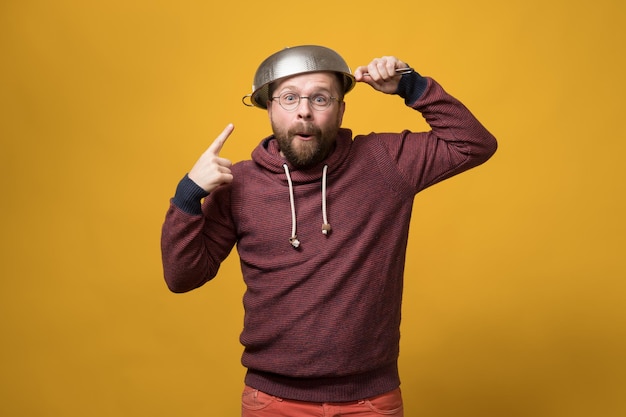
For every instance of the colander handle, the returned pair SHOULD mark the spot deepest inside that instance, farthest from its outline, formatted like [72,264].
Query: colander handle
[243,100]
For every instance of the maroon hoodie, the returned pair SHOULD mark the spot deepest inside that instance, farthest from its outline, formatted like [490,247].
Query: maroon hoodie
[322,319]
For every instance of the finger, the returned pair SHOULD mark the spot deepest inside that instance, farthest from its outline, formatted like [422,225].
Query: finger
[218,143]
[380,69]
[373,70]
[223,162]
[360,73]
[370,71]
[387,67]
[391,64]
[367,74]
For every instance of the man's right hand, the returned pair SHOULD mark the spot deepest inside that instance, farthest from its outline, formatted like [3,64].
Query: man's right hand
[211,171]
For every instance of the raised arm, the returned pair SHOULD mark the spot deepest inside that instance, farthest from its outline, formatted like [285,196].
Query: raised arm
[193,246]
[457,141]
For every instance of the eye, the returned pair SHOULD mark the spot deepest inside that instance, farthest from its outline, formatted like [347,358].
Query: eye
[320,99]
[289,98]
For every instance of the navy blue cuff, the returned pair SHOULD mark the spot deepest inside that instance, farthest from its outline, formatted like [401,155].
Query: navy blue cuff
[189,196]
[411,87]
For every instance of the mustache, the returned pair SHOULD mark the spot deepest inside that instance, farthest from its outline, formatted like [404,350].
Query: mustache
[304,129]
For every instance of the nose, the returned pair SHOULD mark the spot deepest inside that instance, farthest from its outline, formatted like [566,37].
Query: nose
[304,108]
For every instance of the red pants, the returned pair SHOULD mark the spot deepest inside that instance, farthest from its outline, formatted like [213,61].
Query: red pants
[255,403]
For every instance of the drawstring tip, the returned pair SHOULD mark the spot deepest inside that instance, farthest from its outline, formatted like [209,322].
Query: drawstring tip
[326,228]
[294,241]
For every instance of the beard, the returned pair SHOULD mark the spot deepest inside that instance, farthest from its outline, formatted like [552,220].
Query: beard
[305,153]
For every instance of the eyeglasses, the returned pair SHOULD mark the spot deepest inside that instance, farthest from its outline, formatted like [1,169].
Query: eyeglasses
[291,101]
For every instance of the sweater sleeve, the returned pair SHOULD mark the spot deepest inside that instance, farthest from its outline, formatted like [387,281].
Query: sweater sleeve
[195,238]
[189,196]
[456,142]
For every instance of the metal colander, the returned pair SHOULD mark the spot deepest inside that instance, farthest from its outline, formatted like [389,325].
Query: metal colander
[292,61]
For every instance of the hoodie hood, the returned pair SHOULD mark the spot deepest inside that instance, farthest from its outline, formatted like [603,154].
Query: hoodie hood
[267,155]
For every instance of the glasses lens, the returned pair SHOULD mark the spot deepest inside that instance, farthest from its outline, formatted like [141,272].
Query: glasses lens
[289,101]
[319,101]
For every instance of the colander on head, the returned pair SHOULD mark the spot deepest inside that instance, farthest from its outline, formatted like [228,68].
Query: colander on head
[292,61]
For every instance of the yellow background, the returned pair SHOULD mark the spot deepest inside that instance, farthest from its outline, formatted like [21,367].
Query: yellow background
[515,301]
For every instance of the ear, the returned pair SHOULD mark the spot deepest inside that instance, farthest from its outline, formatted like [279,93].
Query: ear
[342,109]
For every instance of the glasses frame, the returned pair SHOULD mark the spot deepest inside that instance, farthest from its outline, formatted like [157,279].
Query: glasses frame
[312,104]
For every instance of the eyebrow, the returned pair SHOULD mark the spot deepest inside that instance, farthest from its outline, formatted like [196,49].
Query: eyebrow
[294,88]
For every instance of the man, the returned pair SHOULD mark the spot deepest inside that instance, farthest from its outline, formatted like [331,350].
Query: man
[322,304]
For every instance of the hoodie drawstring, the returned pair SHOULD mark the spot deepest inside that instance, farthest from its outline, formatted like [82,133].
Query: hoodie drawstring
[294,238]
[325,226]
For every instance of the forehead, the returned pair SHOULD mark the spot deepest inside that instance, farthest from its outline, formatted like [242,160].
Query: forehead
[326,80]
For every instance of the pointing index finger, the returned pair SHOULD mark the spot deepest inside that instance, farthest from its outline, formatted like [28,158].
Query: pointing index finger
[218,143]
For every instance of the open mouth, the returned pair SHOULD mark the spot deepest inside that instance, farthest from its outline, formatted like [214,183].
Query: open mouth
[304,136]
